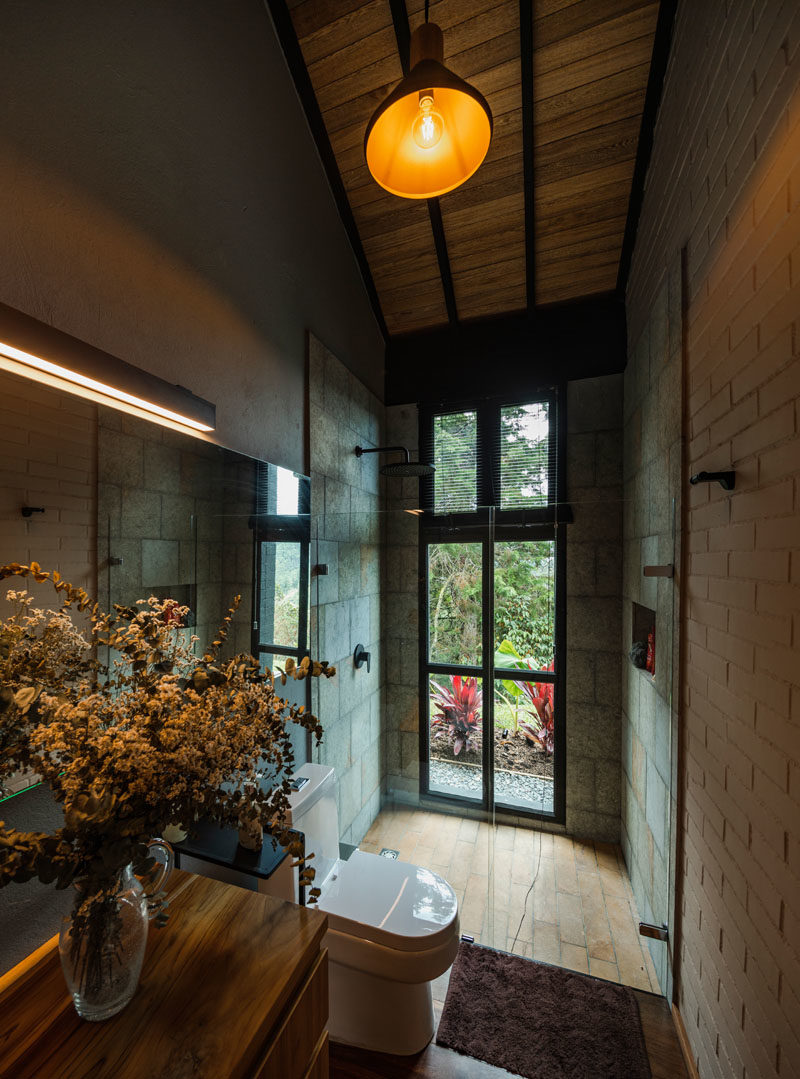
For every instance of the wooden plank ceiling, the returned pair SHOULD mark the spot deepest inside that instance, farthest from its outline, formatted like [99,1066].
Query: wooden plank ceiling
[590,68]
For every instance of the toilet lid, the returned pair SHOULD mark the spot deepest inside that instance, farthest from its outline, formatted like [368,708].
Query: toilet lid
[396,904]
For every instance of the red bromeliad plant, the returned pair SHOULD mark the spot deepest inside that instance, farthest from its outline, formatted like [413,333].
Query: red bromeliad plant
[458,714]
[542,731]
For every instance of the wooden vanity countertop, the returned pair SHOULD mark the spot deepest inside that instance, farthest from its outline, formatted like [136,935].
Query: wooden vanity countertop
[215,981]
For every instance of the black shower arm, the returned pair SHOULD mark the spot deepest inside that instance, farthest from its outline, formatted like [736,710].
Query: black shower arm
[385,449]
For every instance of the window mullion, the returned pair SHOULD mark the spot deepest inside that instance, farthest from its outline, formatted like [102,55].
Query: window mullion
[488,462]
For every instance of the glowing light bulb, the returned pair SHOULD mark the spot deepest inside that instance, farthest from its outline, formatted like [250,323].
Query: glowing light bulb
[428,125]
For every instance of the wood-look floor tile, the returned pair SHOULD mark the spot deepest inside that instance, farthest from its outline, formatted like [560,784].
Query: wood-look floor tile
[521,947]
[543,905]
[442,870]
[563,845]
[521,926]
[543,844]
[620,916]
[546,943]
[431,830]
[589,885]
[473,910]
[504,837]
[446,840]
[632,970]
[584,856]
[601,969]
[495,928]
[566,875]
[373,835]
[502,875]
[574,957]
[520,897]
[468,830]
[524,866]
[406,847]
[484,850]
[570,920]
[607,856]
[525,843]
[416,819]
[460,864]
[424,856]
[599,941]
[614,883]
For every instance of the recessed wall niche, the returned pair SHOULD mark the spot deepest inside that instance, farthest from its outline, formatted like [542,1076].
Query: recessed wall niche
[643,639]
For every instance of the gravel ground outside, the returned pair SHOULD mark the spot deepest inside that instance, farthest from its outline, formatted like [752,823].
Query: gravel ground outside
[515,788]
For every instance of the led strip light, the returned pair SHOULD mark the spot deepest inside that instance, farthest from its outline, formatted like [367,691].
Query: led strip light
[199,417]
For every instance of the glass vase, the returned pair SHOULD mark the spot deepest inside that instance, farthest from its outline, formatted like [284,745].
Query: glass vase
[102,944]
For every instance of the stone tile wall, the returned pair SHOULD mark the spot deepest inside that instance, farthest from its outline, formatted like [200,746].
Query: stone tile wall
[175,510]
[401,607]
[594,577]
[651,471]
[346,603]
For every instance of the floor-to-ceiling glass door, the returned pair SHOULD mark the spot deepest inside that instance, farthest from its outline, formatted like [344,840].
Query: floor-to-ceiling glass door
[490,666]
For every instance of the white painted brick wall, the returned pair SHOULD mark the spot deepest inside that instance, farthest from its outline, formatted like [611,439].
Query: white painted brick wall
[725,180]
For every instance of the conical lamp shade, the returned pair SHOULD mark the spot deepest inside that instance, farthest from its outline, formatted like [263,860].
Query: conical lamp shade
[395,157]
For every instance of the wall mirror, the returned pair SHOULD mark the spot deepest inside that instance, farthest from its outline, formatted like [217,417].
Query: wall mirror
[182,519]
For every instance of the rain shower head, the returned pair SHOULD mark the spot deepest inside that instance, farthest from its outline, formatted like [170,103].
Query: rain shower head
[412,468]
[399,468]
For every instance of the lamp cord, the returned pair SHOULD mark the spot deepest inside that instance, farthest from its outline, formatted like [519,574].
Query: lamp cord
[427,5]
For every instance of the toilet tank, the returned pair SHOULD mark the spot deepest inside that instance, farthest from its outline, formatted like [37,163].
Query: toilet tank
[313,812]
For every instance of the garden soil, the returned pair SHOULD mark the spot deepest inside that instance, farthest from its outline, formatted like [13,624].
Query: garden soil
[512,754]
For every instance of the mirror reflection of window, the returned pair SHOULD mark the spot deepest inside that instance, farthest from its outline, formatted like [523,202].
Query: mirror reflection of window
[279,621]
[288,492]
[282,532]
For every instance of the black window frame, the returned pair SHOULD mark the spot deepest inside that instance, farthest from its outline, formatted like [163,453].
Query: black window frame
[271,527]
[486,524]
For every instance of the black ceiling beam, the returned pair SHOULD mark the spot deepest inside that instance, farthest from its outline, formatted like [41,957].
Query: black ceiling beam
[402,33]
[517,353]
[284,27]
[655,85]
[526,73]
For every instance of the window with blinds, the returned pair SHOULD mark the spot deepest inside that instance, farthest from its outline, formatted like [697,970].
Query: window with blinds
[455,455]
[524,453]
[496,454]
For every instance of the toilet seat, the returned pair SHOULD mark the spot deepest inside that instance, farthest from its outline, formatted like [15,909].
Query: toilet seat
[396,904]
[390,918]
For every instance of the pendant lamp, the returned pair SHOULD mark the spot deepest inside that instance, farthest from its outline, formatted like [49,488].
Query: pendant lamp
[433,131]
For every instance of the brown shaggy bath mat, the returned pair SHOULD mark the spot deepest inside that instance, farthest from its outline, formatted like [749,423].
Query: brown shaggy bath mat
[539,1021]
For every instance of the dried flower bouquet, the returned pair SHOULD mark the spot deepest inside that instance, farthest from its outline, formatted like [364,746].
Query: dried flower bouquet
[160,736]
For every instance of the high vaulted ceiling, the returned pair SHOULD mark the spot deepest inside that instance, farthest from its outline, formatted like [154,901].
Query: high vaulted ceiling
[544,219]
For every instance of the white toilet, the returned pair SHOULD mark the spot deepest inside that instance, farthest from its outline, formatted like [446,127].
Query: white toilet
[392,929]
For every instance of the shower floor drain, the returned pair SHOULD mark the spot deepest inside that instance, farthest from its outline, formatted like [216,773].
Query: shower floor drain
[388,853]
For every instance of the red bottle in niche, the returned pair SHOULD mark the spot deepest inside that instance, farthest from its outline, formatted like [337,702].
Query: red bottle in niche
[650,662]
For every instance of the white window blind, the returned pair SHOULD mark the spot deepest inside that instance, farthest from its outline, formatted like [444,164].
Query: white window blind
[525,458]
[455,455]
